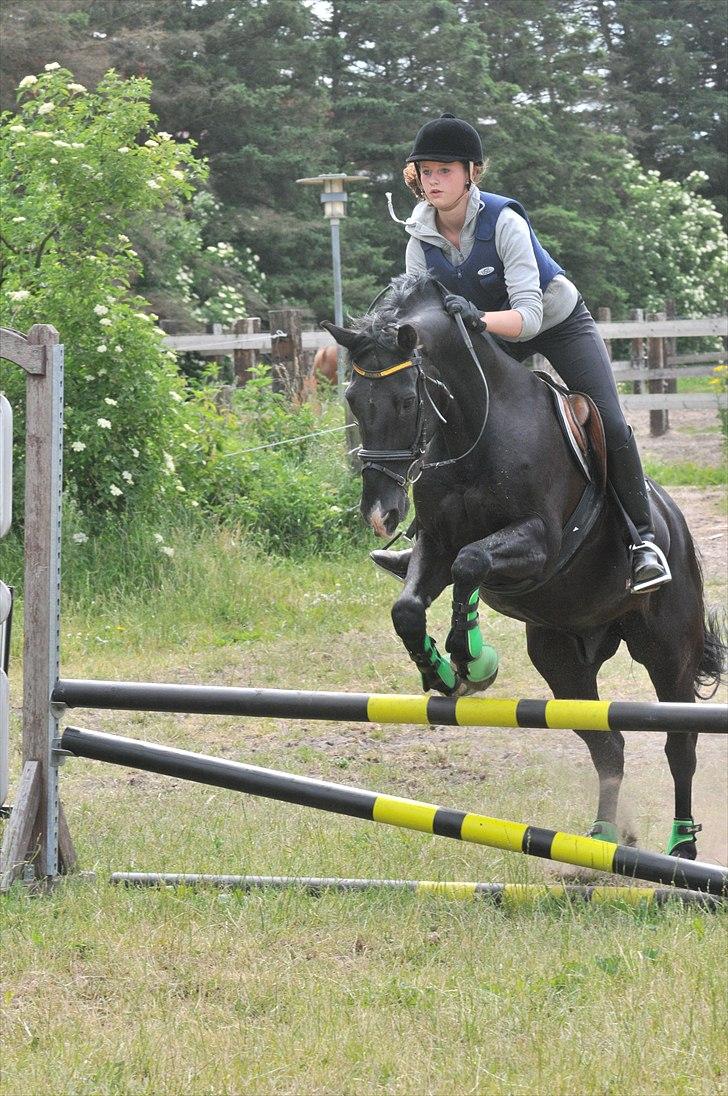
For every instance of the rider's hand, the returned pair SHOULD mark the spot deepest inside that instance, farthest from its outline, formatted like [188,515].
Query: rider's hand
[472,317]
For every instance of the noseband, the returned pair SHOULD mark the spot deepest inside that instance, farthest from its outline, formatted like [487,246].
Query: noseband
[378,459]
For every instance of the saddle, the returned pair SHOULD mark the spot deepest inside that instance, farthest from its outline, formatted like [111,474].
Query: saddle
[582,427]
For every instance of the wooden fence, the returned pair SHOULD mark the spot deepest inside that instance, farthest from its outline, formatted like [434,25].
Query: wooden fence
[651,371]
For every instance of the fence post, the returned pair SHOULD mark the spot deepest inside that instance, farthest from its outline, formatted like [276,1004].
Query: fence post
[637,349]
[659,420]
[291,371]
[670,344]
[244,360]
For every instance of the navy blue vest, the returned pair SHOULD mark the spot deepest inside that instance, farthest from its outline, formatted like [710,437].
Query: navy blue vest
[481,278]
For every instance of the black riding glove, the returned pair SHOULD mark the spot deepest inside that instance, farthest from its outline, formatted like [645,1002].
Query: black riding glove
[472,316]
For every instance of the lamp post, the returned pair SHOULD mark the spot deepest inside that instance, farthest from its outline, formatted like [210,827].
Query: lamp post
[334,199]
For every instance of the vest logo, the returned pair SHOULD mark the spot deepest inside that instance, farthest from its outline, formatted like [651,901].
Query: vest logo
[486,270]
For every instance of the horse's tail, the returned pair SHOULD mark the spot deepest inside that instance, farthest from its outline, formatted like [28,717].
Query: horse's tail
[711,671]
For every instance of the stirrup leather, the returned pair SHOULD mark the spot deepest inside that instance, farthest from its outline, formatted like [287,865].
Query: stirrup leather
[658,580]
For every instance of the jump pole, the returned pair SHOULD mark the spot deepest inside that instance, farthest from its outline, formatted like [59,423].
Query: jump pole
[499,894]
[393,811]
[583,715]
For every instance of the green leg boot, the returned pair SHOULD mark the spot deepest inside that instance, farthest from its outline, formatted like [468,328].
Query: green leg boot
[682,841]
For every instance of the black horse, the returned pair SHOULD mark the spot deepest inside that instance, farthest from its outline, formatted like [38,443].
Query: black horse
[496,492]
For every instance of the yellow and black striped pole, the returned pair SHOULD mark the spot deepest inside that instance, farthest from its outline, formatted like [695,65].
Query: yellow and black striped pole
[500,894]
[497,833]
[583,715]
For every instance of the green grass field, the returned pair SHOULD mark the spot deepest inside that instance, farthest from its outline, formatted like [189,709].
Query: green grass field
[112,991]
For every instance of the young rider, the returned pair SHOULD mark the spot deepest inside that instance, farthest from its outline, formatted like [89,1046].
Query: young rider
[483,249]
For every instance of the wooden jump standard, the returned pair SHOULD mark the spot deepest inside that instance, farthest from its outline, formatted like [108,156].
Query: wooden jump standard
[391,810]
[500,894]
[585,715]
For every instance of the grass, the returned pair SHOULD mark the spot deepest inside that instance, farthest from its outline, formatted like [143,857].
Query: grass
[113,991]
[686,473]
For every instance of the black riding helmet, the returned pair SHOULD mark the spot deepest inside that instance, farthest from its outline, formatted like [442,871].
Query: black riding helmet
[446,140]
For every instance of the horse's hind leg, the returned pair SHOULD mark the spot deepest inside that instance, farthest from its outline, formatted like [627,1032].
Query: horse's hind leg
[560,662]
[671,657]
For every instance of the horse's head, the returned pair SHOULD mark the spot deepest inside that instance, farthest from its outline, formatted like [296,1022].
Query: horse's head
[386,399]
[395,390]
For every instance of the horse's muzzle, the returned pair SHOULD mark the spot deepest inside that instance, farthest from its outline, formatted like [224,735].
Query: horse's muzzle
[384,513]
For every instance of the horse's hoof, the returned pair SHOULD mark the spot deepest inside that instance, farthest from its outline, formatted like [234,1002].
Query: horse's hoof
[604,831]
[686,850]
[468,687]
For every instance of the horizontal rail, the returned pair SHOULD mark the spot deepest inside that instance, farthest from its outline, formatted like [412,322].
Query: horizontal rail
[675,401]
[627,373]
[390,810]
[587,715]
[313,340]
[500,894]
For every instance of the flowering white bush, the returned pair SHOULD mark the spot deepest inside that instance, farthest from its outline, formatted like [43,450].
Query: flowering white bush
[66,261]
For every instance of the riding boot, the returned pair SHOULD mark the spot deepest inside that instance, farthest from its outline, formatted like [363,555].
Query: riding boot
[649,568]
[394,563]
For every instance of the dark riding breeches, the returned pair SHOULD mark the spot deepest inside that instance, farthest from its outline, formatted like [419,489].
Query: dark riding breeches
[577,352]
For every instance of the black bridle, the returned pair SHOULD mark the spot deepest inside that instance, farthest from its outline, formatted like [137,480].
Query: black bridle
[379,459]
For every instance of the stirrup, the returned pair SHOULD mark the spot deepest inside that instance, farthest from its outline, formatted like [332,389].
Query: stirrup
[657,580]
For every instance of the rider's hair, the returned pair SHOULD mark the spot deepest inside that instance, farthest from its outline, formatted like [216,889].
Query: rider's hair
[412,176]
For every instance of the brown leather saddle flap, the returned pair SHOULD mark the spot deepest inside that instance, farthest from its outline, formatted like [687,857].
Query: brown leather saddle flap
[581,415]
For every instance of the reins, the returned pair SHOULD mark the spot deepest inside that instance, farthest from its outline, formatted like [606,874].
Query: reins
[378,459]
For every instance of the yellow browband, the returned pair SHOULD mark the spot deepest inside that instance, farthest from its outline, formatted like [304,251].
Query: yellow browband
[383,372]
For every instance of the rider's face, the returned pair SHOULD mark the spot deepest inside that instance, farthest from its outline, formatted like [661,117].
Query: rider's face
[443,184]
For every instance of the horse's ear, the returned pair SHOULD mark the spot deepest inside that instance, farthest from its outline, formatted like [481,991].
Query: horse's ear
[406,338]
[343,335]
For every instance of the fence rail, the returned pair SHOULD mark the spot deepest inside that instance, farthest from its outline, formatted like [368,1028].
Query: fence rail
[654,364]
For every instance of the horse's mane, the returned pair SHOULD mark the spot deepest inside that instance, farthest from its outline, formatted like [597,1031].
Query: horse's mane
[380,326]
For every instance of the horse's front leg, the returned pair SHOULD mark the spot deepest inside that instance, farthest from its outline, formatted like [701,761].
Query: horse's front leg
[427,576]
[512,554]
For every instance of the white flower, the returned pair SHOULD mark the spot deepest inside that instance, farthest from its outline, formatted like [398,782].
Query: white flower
[19,295]
[153,184]
[52,66]
[168,137]
[102,348]
[19,220]
[168,463]
[53,160]
[76,87]
[17,129]
[105,322]
[78,446]
[135,452]
[127,476]
[150,143]
[100,309]
[61,144]
[194,502]
[115,491]
[28,81]
[143,316]
[123,148]
[77,144]
[124,239]
[177,174]
[79,538]
[167,551]
[182,490]
[159,538]
[104,424]
[176,397]
[46,108]
[111,403]
[118,349]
